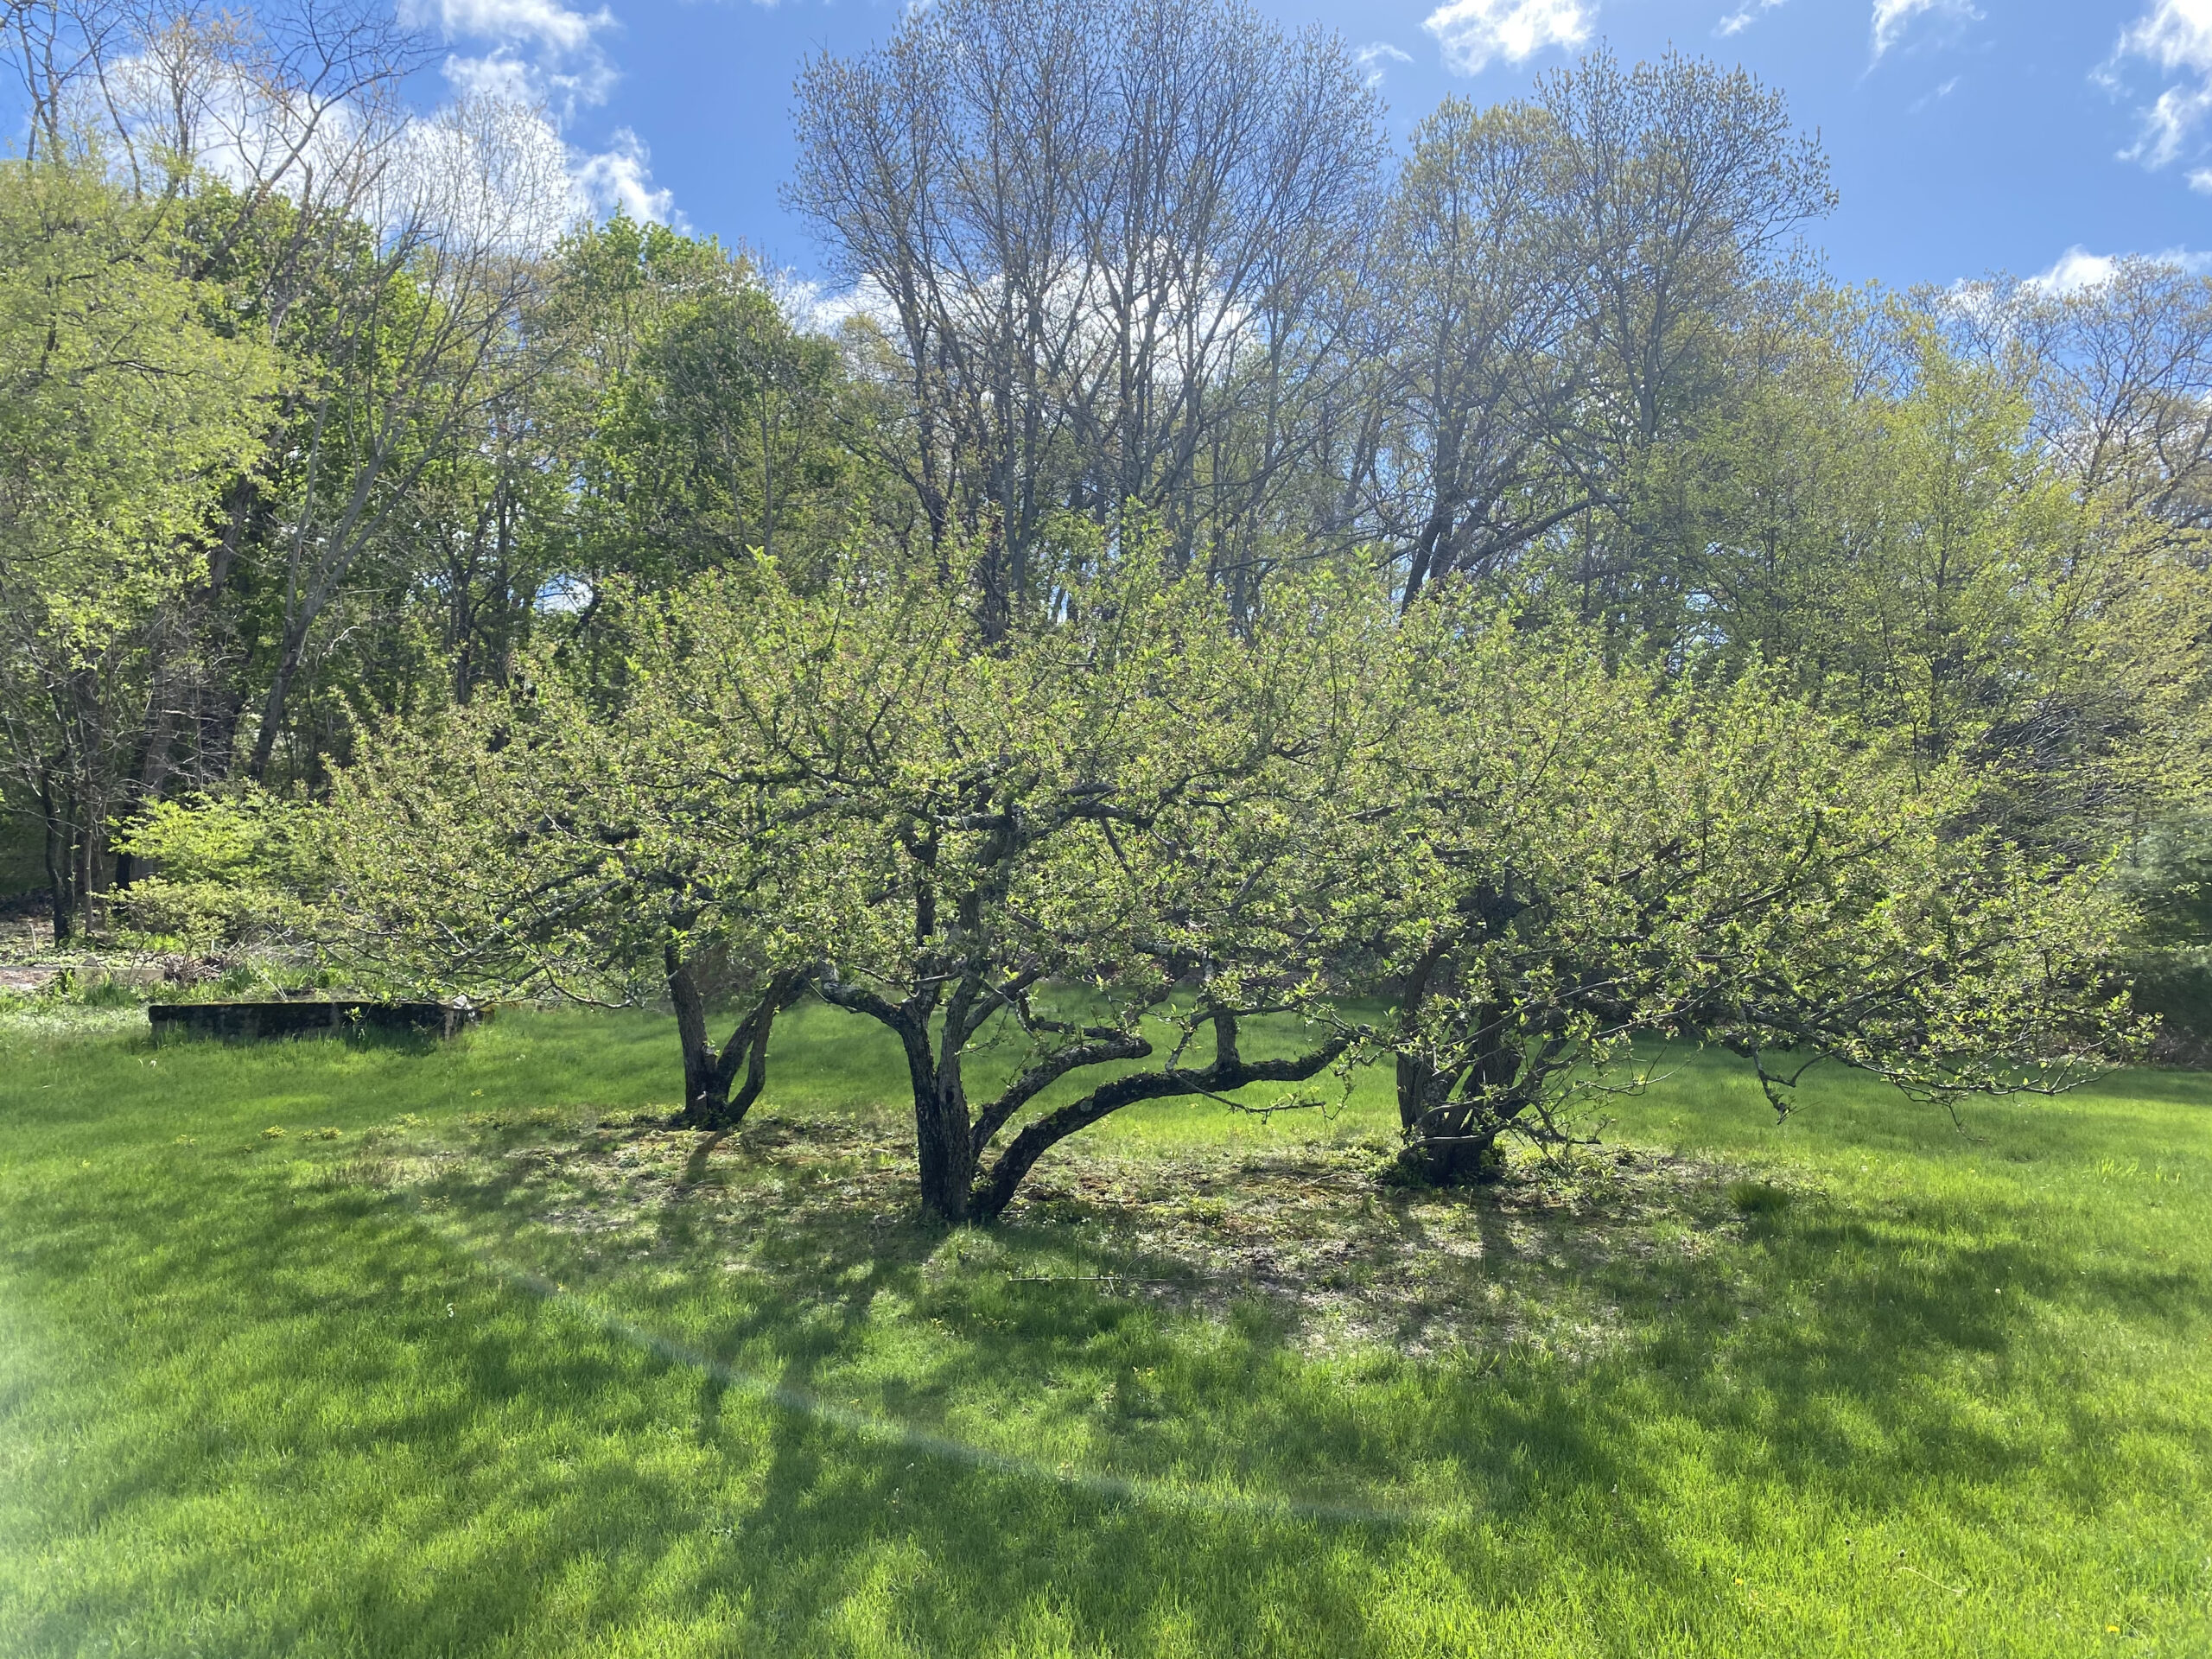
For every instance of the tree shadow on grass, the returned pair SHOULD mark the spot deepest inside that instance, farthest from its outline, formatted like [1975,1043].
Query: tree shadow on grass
[306,1421]
[1127,1360]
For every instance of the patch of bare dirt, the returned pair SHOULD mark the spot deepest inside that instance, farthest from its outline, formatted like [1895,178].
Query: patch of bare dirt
[1345,1258]
[1563,1256]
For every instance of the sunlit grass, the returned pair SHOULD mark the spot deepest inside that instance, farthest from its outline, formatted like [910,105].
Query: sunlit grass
[1878,1387]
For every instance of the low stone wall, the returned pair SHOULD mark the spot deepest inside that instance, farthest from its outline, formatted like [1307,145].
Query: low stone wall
[248,1021]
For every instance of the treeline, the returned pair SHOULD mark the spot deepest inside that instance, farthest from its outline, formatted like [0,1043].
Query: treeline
[331,434]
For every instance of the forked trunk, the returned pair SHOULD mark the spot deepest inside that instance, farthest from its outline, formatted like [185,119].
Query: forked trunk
[719,1085]
[1229,1071]
[706,1092]
[942,1132]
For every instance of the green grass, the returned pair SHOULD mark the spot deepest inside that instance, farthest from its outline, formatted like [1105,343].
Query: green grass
[498,1367]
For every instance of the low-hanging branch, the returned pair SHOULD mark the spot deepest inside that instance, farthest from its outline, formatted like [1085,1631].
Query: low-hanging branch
[1229,1071]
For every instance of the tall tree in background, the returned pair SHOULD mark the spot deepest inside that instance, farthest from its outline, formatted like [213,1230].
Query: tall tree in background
[2118,374]
[1882,516]
[277,136]
[409,348]
[1473,351]
[716,428]
[1566,290]
[1102,241]
[122,417]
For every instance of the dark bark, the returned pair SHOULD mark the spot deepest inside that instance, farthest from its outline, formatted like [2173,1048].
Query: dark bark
[272,709]
[1106,1045]
[1417,1085]
[1455,1142]
[1416,1078]
[1454,1118]
[942,1143]
[60,859]
[719,1085]
[1228,1070]
[950,1142]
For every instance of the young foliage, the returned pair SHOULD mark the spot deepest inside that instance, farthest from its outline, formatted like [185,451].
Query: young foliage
[1570,856]
[124,417]
[1075,831]
[544,840]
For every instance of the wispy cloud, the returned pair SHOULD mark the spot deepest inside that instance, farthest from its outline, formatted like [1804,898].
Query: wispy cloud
[2177,36]
[1890,17]
[811,306]
[549,58]
[508,78]
[544,23]
[1744,16]
[1893,17]
[1935,94]
[1473,32]
[1377,56]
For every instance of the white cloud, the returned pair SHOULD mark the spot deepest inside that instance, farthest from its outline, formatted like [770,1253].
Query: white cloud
[1744,16]
[2200,181]
[622,177]
[541,50]
[2170,124]
[812,308]
[1472,32]
[499,175]
[547,55]
[479,173]
[2077,267]
[490,167]
[2177,32]
[1890,18]
[2177,36]
[544,24]
[234,118]
[1893,17]
[1370,58]
[497,76]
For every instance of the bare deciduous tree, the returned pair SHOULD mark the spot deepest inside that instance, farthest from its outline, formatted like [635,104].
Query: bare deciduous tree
[1565,283]
[1102,240]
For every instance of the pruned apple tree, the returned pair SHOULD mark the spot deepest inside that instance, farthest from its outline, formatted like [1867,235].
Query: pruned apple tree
[596,845]
[1568,856]
[1095,838]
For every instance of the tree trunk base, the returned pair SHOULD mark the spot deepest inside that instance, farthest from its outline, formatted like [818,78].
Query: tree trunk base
[1450,1163]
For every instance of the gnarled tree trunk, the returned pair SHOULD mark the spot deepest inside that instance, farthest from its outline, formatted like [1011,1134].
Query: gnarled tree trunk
[942,1136]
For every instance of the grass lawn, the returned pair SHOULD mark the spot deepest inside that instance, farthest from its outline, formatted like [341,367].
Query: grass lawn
[475,1357]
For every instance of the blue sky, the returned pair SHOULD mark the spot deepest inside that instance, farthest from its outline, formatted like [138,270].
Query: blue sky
[1966,136]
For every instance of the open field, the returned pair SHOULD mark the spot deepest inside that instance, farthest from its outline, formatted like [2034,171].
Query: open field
[321,1350]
